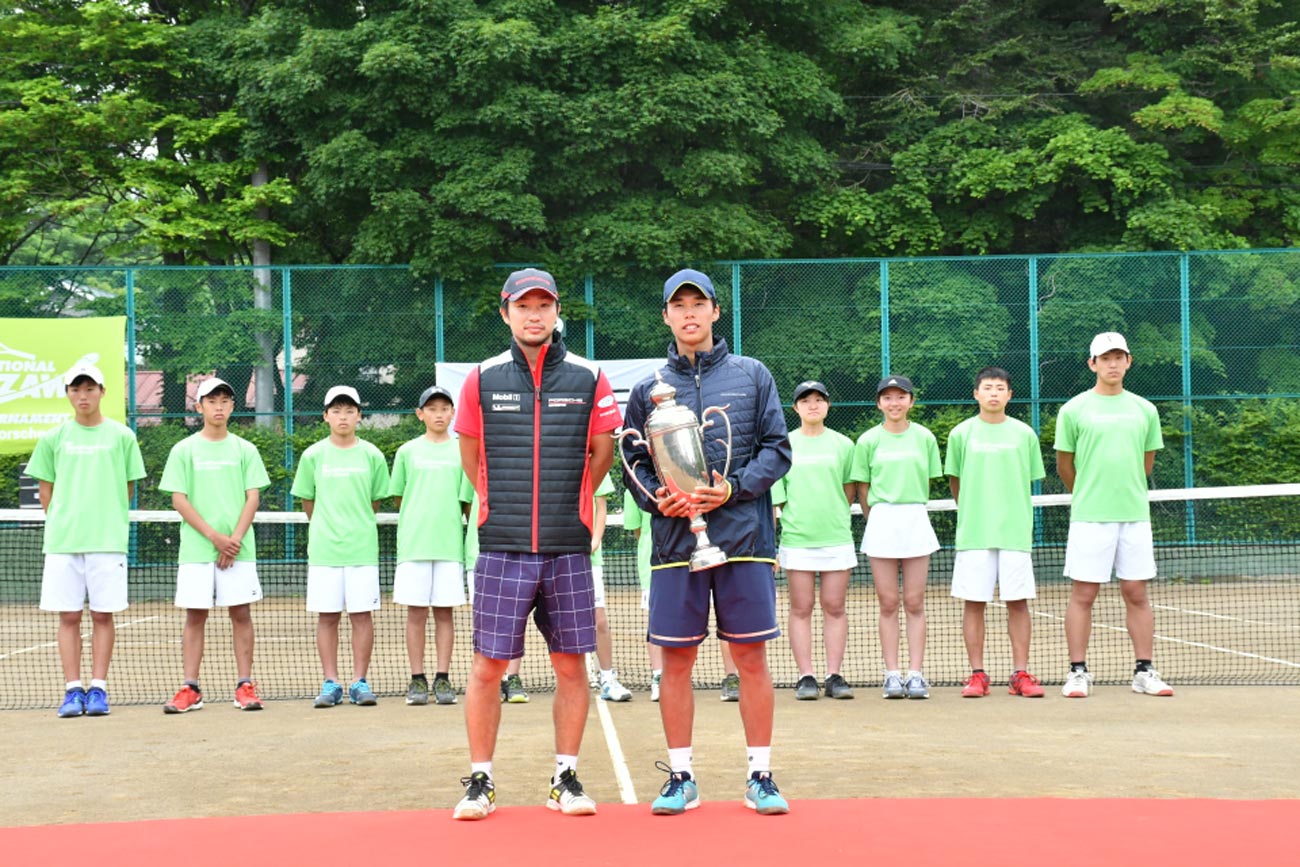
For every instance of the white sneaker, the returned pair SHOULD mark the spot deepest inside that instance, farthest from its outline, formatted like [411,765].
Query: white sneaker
[1078,683]
[612,690]
[654,686]
[480,797]
[568,797]
[1149,683]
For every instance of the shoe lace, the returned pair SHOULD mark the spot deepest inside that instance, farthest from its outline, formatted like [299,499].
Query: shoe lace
[1025,676]
[766,785]
[568,782]
[675,780]
[475,786]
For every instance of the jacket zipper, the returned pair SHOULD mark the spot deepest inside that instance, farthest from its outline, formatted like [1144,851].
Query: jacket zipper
[537,461]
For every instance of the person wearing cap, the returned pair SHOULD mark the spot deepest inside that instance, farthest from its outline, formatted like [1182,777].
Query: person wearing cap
[86,468]
[992,462]
[534,426]
[816,537]
[739,513]
[893,464]
[1106,444]
[341,481]
[433,494]
[215,478]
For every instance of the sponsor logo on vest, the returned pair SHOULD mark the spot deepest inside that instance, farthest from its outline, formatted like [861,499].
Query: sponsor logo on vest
[566,401]
[514,397]
[506,407]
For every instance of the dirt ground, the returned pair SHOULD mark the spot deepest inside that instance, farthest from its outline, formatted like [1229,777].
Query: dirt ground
[1207,742]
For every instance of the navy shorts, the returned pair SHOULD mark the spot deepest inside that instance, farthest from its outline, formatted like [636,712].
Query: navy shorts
[556,588]
[744,601]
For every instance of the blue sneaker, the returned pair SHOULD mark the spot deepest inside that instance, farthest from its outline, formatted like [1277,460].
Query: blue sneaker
[678,795]
[96,702]
[762,796]
[331,693]
[361,693]
[74,703]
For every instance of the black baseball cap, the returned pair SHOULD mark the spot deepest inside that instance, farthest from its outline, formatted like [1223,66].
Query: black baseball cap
[895,382]
[810,385]
[435,391]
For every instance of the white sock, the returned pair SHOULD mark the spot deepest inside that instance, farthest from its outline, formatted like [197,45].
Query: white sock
[760,760]
[656,672]
[606,675]
[564,763]
[96,682]
[912,672]
[485,767]
[73,684]
[679,760]
[893,672]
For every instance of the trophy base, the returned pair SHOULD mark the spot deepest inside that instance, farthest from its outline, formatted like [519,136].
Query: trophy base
[707,557]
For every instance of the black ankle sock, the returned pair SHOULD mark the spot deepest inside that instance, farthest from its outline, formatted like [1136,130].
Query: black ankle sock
[420,677]
[194,685]
[977,671]
[1079,666]
[1142,665]
[441,675]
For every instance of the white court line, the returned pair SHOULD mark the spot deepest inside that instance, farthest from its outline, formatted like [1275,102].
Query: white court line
[1211,614]
[621,773]
[48,644]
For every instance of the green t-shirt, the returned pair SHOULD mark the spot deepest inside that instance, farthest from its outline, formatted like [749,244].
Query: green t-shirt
[636,519]
[342,483]
[897,466]
[215,476]
[1109,436]
[605,488]
[996,464]
[816,514]
[89,468]
[471,535]
[429,479]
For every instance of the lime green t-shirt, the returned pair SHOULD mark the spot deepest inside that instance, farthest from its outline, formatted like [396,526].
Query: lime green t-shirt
[1109,436]
[89,468]
[429,479]
[996,464]
[342,483]
[816,514]
[897,466]
[215,476]
[636,519]
[604,489]
[471,535]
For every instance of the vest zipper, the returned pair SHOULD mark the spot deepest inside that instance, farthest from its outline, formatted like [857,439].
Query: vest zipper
[537,461]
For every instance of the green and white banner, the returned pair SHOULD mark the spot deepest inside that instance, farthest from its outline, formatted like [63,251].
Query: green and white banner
[34,355]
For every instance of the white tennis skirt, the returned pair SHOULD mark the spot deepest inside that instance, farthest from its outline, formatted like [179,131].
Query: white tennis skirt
[898,531]
[832,558]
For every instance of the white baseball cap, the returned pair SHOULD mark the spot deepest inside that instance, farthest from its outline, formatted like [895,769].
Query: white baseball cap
[1105,342]
[209,385]
[342,391]
[80,370]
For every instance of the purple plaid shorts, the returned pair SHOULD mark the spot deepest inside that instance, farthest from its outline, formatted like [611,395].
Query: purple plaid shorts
[556,588]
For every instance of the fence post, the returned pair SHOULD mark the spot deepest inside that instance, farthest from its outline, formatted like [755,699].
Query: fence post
[130,346]
[1185,317]
[286,304]
[735,307]
[589,296]
[1035,415]
[884,318]
[439,335]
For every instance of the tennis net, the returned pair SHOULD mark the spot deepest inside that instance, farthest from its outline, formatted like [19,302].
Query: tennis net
[1226,601]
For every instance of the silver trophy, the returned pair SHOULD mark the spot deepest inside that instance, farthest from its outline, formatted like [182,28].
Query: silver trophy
[675,439]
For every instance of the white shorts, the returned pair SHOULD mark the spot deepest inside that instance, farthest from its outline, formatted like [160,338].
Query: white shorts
[1094,550]
[899,531]
[832,558]
[199,584]
[69,579]
[331,589]
[975,574]
[598,585]
[429,584]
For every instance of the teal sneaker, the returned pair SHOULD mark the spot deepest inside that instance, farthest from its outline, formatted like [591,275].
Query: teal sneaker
[331,693]
[361,693]
[678,795]
[762,796]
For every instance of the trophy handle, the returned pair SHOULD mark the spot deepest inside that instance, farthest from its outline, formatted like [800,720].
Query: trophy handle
[722,411]
[631,470]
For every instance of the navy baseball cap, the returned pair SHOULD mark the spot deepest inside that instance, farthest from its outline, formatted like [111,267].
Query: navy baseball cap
[809,387]
[520,283]
[688,277]
[435,391]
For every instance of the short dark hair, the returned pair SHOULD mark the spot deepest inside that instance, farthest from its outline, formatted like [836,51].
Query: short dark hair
[220,389]
[344,400]
[85,377]
[992,373]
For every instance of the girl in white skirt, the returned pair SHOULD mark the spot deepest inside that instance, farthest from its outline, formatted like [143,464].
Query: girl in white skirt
[893,463]
[816,537]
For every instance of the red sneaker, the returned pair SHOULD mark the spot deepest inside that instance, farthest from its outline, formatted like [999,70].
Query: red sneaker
[246,697]
[1024,683]
[976,686]
[187,698]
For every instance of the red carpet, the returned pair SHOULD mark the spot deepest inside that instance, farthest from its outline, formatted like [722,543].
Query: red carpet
[918,833]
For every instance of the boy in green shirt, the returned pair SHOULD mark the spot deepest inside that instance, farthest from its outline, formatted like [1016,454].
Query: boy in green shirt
[1106,444]
[432,494]
[637,522]
[992,461]
[610,688]
[341,481]
[94,462]
[214,478]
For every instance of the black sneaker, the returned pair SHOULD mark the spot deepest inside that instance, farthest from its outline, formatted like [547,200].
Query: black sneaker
[806,689]
[837,687]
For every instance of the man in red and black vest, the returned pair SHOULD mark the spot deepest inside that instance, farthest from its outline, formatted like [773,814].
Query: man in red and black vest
[534,425]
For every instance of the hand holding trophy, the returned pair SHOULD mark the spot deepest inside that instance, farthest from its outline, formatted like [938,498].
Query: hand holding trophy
[675,440]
